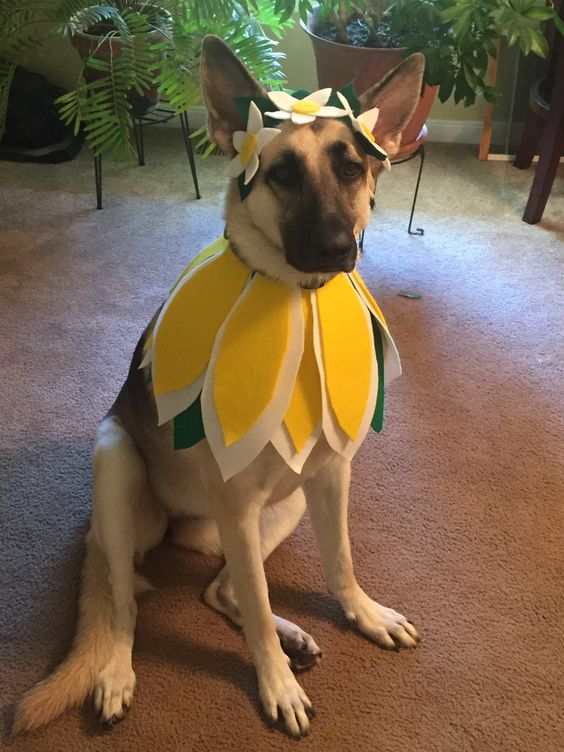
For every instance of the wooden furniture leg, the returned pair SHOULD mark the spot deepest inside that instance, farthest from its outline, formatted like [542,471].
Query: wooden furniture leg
[550,150]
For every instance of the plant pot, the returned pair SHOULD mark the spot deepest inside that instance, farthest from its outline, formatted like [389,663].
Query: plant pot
[338,64]
[108,49]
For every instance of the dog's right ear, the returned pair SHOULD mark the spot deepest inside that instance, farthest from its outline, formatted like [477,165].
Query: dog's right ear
[224,77]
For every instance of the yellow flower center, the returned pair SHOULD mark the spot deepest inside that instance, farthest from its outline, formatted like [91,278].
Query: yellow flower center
[303,107]
[366,132]
[249,148]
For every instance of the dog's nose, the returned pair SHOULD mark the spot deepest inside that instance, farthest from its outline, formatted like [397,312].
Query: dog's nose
[343,245]
[338,248]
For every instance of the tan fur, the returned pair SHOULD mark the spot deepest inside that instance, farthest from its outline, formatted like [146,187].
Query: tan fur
[140,482]
[73,679]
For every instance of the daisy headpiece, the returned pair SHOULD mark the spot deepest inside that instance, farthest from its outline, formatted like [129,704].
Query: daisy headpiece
[301,107]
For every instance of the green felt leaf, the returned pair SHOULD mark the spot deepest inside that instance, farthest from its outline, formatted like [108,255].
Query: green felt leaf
[350,95]
[378,417]
[188,426]
[244,190]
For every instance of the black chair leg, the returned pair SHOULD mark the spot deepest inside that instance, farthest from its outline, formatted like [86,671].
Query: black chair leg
[98,178]
[189,150]
[139,143]
[361,240]
[418,230]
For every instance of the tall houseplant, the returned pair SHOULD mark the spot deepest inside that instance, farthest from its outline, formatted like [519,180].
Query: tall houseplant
[134,47]
[457,37]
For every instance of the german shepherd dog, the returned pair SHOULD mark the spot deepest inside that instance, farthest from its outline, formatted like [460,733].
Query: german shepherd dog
[311,199]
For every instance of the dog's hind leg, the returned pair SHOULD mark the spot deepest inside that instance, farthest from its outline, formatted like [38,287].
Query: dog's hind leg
[125,524]
[276,524]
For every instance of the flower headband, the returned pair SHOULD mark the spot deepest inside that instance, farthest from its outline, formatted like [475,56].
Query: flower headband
[301,108]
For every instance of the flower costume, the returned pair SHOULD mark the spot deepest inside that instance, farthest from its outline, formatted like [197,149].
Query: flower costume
[245,360]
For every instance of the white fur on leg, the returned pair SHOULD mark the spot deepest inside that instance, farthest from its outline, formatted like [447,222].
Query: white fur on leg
[327,496]
[239,529]
[119,480]
[276,523]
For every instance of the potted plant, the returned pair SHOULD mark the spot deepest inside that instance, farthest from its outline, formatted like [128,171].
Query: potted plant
[362,39]
[134,51]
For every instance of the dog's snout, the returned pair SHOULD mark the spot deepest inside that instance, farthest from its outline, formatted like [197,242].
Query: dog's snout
[343,244]
[337,244]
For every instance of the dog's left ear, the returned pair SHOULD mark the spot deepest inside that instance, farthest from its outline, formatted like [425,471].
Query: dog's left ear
[396,96]
[224,77]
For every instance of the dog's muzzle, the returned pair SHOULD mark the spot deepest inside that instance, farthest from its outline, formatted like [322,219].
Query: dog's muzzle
[332,247]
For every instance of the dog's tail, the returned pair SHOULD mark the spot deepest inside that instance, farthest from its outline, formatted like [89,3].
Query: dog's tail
[73,680]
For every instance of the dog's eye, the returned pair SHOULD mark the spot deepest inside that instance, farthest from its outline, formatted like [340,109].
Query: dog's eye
[351,170]
[285,174]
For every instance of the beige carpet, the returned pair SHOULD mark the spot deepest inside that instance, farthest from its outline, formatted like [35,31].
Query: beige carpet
[457,507]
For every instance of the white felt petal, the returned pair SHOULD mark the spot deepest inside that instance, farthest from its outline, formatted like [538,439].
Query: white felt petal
[254,123]
[237,456]
[320,97]
[353,446]
[344,101]
[335,112]
[147,358]
[265,136]
[239,139]
[336,437]
[173,403]
[235,167]
[369,118]
[169,405]
[279,115]
[284,445]
[282,99]
[300,119]
[392,362]
[252,168]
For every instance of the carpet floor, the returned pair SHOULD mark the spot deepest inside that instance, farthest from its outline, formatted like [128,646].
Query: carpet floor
[457,514]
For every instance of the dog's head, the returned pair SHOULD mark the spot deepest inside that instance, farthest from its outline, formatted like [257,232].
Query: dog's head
[311,196]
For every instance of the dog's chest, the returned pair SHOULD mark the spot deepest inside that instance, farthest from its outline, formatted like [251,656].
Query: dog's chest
[185,482]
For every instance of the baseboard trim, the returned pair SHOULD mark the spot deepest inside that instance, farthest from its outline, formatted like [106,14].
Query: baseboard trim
[441,131]
[462,131]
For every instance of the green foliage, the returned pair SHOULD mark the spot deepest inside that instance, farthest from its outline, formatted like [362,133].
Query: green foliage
[457,37]
[136,58]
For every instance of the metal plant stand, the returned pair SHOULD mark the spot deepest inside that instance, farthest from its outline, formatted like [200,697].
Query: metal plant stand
[155,116]
[420,151]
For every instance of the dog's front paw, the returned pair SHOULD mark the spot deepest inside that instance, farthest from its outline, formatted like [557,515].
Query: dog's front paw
[114,690]
[299,646]
[283,698]
[382,625]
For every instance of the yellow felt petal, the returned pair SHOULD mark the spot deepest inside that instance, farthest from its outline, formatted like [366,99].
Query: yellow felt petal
[254,347]
[304,412]
[347,347]
[367,294]
[218,246]
[189,323]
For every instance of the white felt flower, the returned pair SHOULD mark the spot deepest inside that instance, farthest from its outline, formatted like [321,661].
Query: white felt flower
[249,145]
[364,124]
[302,111]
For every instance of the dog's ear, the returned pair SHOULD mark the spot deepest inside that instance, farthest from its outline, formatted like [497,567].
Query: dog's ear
[224,77]
[396,96]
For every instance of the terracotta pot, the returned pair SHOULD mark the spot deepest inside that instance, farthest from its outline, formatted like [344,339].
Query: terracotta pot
[338,64]
[89,44]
